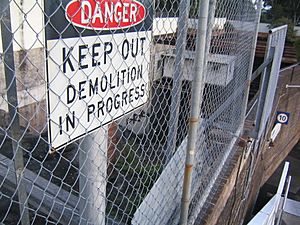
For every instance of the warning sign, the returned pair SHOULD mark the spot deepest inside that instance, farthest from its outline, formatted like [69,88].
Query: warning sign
[282,117]
[94,76]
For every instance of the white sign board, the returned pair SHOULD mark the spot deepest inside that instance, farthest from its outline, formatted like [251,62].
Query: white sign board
[282,117]
[275,131]
[94,79]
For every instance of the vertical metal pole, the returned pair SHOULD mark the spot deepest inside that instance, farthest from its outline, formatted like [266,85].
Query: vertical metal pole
[12,98]
[281,210]
[264,84]
[252,55]
[92,180]
[198,84]
[292,75]
[177,79]
[211,20]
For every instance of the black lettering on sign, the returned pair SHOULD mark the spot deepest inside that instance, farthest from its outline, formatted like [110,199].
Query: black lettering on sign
[94,87]
[90,111]
[81,89]
[133,73]
[123,76]
[67,123]
[82,56]
[95,54]
[111,81]
[142,45]
[71,93]
[108,47]
[143,86]
[117,102]
[137,117]
[137,93]
[124,98]
[100,108]
[133,47]
[140,71]
[131,95]
[110,104]
[103,84]
[99,54]
[125,49]
[66,59]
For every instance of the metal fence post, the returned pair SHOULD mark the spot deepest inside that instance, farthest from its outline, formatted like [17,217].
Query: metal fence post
[12,99]
[177,79]
[249,78]
[92,183]
[261,101]
[265,76]
[210,22]
[195,110]
[292,75]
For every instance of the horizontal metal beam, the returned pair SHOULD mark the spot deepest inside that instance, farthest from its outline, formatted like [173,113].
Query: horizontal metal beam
[289,67]
[261,68]
[292,86]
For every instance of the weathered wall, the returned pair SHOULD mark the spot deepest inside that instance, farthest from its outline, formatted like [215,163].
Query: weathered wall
[31,89]
[289,101]
[233,201]
[270,157]
[29,67]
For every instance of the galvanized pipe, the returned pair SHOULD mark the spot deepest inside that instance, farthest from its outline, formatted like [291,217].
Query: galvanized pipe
[252,55]
[281,210]
[198,84]
[177,79]
[92,180]
[210,23]
[265,77]
[292,86]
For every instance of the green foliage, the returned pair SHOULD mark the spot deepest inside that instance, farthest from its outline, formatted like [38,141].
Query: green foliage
[297,46]
[283,21]
[133,170]
[289,9]
[194,6]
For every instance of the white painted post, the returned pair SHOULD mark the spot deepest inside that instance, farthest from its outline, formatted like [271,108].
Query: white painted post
[92,169]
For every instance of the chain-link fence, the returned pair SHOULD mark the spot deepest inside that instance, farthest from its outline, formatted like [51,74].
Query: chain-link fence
[95,105]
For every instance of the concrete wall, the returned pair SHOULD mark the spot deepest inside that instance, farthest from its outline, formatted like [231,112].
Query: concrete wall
[27,30]
[29,57]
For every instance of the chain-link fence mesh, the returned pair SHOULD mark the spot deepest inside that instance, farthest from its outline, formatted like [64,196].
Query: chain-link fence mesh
[95,102]
[223,106]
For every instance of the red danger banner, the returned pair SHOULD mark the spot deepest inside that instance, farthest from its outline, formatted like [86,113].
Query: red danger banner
[105,14]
